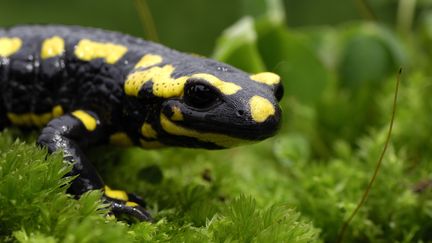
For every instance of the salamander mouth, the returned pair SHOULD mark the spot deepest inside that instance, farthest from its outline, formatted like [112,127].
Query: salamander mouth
[219,139]
[221,123]
[238,128]
[253,132]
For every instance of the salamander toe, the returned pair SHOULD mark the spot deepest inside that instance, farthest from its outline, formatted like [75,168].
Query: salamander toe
[123,203]
[122,208]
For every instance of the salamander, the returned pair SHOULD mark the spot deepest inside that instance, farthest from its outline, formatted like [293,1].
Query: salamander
[86,86]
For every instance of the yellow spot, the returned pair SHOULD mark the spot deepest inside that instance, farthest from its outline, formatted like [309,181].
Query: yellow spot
[148,60]
[166,87]
[41,119]
[29,119]
[260,108]
[57,111]
[120,139]
[32,119]
[20,119]
[266,78]
[116,194]
[88,50]
[147,131]
[163,84]
[88,121]
[151,144]
[177,114]
[218,139]
[52,47]
[131,204]
[9,46]
[227,88]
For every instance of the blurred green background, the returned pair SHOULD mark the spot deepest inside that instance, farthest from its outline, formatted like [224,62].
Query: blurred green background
[189,25]
[338,60]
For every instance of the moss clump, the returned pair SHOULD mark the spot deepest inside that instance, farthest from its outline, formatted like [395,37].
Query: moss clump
[35,208]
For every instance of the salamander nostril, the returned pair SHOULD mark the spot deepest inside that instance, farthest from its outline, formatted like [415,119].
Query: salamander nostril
[240,113]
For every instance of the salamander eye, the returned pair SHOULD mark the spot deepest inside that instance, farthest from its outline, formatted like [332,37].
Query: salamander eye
[279,92]
[200,95]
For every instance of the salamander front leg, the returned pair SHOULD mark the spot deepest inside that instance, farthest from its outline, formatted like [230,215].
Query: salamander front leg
[72,132]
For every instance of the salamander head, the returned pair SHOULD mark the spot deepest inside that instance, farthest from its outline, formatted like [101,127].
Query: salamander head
[204,103]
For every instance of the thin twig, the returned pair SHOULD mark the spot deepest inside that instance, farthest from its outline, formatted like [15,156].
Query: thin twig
[366,10]
[405,15]
[146,19]
[378,165]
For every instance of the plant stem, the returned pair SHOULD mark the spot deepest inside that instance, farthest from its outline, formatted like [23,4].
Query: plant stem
[146,19]
[405,15]
[366,10]
[378,165]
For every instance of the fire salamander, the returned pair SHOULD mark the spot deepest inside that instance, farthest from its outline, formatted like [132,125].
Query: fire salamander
[85,86]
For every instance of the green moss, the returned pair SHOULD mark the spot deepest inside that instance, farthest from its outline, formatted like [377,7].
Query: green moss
[35,207]
[297,187]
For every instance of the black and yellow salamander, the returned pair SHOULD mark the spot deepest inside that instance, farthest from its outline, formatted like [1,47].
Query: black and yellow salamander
[86,86]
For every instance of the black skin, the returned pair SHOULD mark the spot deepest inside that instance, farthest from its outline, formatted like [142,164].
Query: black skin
[30,84]
[68,134]
[3,120]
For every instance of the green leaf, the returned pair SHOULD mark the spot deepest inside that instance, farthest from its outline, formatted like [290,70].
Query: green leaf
[370,55]
[243,221]
[291,55]
[237,46]
[268,10]
[23,237]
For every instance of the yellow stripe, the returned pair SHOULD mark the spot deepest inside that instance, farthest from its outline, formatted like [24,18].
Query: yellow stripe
[227,88]
[116,194]
[148,131]
[41,120]
[148,60]
[86,119]
[20,119]
[218,139]
[163,84]
[261,108]
[166,87]
[52,47]
[9,46]
[266,78]
[177,114]
[31,119]
[57,111]
[121,139]
[88,50]
[131,204]
[151,144]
